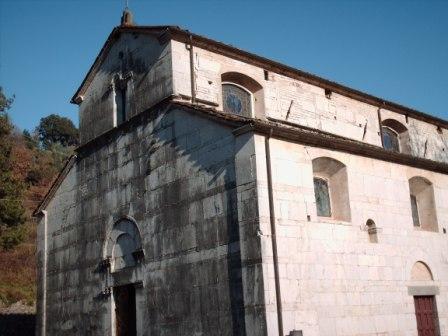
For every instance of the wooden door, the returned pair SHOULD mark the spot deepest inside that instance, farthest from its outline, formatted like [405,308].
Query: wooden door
[125,321]
[426,313]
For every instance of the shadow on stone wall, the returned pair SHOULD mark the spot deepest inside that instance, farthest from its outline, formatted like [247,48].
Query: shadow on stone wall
[17,324]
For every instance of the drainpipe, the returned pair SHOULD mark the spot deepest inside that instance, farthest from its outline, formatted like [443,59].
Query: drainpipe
[43,330]
[380,122]
[273,235]
[192,78]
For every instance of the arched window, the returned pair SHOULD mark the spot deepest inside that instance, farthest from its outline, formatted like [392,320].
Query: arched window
[241,95]
[331,189]
[124,247]
[422,203]
[395,136]
[236,100]
[390,140]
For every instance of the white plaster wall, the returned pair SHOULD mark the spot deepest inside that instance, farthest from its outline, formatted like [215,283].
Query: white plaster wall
[333,280]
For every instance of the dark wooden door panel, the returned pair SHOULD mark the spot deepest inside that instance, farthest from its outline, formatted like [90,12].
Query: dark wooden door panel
[426,314]
[125,314]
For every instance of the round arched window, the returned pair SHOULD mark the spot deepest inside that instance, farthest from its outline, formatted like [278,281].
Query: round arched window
[236,100]
[390,140]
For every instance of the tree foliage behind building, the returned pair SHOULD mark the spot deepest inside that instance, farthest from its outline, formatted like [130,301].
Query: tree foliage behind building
[55,129]
[12,211]
[28,166]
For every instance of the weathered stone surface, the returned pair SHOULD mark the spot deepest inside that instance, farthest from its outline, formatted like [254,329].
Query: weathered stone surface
[183,197]
[334,281]
[198,192]
[303,104]
[147,62]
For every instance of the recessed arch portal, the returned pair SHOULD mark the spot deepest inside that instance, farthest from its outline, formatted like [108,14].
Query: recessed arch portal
[123,245]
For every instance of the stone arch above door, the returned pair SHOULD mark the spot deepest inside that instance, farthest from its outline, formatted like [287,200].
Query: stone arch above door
[421,272]
[124,245]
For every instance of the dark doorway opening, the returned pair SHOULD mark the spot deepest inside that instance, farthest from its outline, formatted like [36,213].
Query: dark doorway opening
[125,317]
[426,313]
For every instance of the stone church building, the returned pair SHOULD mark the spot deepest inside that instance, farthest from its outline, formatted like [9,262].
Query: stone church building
[216,192]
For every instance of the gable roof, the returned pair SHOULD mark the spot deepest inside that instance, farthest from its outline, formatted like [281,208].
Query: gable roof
[113,36]
[165,33]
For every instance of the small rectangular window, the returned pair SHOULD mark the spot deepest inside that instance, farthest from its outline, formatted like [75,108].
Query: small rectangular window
[120,105]
[414,206]
[322,195]
[266,75]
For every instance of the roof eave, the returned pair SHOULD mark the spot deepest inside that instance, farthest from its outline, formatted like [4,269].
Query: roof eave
[55,185]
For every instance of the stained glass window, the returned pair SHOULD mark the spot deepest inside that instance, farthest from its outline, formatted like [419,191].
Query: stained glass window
[390,140]
[322,195]
[236,100]
[414,207]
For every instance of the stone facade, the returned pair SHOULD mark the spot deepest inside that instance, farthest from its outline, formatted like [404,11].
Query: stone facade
[211,217]
[334,280]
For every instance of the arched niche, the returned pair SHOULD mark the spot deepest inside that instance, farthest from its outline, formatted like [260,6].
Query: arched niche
[238,85]
[422,201]
[372,230]
[331,189]
[395,136]
[123,245]
[421,272]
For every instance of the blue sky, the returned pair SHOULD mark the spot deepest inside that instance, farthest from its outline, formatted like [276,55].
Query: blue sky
[397,50]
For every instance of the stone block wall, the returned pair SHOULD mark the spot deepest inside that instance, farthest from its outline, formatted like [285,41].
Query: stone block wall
[334,280]
[146,61]
[174,174]
[297,102]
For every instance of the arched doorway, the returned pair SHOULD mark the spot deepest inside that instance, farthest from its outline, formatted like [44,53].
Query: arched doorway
[424,300]
[125,254]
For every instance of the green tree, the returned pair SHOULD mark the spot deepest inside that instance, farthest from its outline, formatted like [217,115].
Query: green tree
[5,124]
[12,212]
[5,102]
[56,129]
[31,140]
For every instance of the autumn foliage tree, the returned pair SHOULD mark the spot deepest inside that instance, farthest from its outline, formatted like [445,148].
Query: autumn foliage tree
[12,211]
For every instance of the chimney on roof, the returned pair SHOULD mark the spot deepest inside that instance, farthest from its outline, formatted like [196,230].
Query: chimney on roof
[127,18]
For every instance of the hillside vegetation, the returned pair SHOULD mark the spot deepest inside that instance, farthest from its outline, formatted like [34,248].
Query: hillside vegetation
[29,162]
